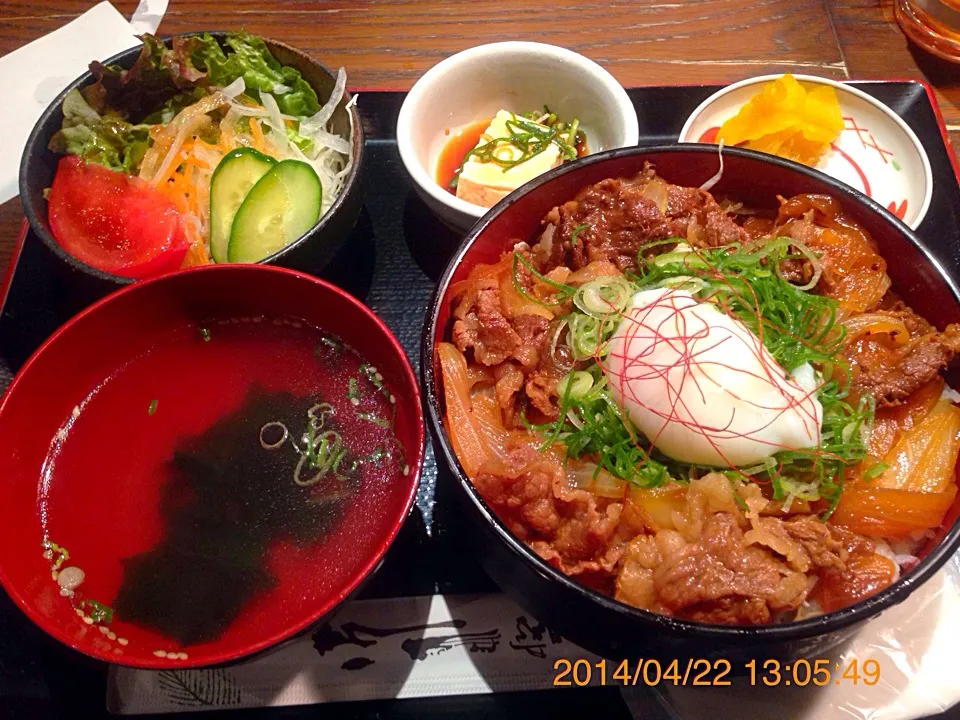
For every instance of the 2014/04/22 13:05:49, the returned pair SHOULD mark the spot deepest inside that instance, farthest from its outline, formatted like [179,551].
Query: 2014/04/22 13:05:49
[702,672]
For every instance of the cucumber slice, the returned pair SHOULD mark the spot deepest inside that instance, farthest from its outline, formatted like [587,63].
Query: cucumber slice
[237,172]
[283,205]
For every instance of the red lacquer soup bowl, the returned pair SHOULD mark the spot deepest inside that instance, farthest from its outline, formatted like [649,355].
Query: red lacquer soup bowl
[201,466]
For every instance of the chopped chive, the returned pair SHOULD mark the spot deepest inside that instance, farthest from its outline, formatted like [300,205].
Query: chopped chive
[152,408]
[353,390]
[100,613]
[576,231]
[375,419]
[875,470]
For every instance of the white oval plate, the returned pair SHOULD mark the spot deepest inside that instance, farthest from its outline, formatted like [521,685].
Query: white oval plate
[877,153]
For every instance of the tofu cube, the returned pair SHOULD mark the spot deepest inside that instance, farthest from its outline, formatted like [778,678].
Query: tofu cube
[486,183]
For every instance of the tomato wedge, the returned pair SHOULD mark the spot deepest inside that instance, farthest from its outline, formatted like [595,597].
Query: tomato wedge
[113,221]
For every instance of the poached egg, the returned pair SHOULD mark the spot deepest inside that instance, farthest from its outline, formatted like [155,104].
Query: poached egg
[702,388]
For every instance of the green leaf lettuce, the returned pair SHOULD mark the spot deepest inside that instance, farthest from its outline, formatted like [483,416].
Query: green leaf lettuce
[260,70]
[106,140]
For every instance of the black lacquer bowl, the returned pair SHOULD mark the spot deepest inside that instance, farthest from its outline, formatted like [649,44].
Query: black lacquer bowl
[311,252]
[595,621]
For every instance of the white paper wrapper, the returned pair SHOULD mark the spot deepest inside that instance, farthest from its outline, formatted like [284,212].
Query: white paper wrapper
[374,649]
[146,18]
[461,645]
[36,73]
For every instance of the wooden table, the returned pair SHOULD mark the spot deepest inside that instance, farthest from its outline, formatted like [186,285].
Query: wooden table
[389,43]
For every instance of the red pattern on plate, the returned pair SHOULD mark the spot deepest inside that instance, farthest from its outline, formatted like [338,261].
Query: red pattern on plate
[853,163]
[864,132]
[899,210]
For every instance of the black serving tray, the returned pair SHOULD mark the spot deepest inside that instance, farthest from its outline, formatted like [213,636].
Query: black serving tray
[391,262]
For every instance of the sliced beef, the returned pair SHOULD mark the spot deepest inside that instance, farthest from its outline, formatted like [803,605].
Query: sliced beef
[541,389]
[804,542]
[730,611]
[614,218]
[892,371]
[482,326]
[509,381]
[720,565]
[570,528]
[531,329]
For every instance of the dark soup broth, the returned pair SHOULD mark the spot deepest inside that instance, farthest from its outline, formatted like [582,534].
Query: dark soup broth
[248,468]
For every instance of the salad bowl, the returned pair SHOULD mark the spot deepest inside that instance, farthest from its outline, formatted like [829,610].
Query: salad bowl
[310,252]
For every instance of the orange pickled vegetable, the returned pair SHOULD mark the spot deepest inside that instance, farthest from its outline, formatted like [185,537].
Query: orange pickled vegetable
[924,458]
[787,119]
[866,573]
[882,512]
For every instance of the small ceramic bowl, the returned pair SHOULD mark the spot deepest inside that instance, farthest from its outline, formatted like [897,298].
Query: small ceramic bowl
[516,76]
[877,153]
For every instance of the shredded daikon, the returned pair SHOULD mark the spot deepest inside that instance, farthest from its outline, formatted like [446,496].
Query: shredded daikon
[235,88]
[322,116]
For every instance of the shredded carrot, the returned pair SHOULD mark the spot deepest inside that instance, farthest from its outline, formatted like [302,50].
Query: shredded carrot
[197,142]
[197,254]
[162,179]
[257,132]
[227,141]
[194,161]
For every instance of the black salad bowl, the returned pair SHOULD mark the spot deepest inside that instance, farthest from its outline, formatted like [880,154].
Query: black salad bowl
[311,252]
[592,620]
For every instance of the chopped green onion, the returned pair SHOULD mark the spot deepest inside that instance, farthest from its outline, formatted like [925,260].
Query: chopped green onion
[375,379]
[353,390]
[205,334]
[328,342]
[98,612]
[564,291]
[576,232]
[375,419]
[875,470]
[530,137]
[575,384]
[152,407]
